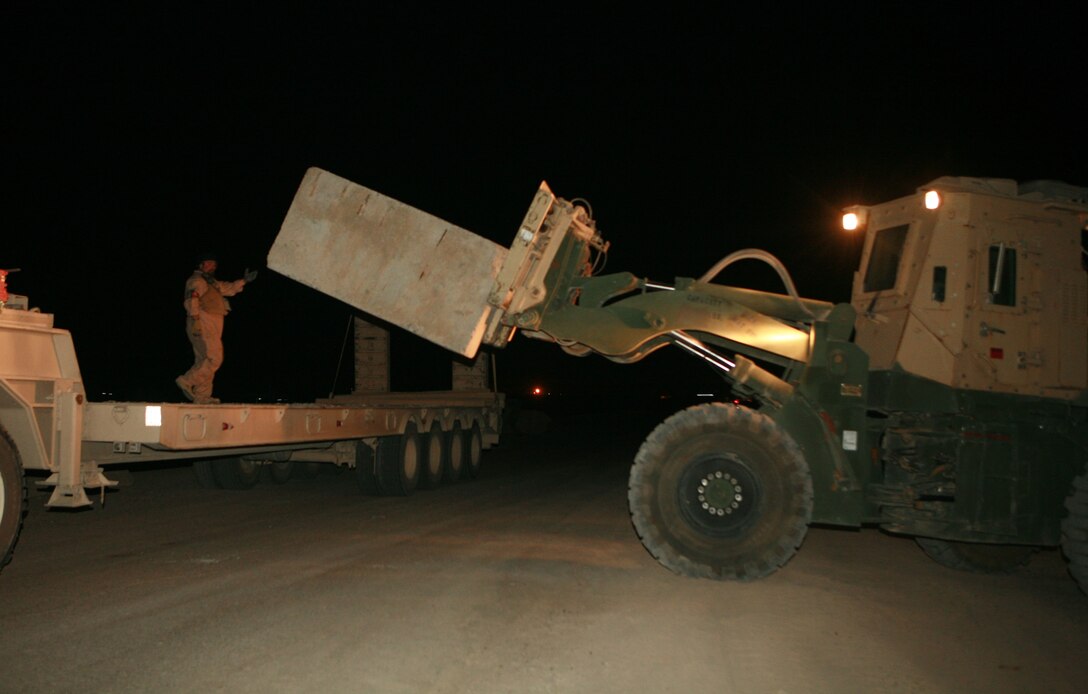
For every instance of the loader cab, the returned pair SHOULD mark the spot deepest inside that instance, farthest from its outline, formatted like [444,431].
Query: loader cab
[978,284]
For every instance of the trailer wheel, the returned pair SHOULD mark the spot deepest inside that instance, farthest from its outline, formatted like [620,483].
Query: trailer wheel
[205,476]
[280,471]
[12,497]
[236,473]
[720,492]
[1075,531]
[399,462]
[976,557]
[473,452]
[434,458]
[455,453]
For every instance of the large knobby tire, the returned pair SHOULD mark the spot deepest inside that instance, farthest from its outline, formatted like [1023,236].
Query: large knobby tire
[455,453]
[434,458]
[976,557]
[722,492]
[12,497]
[474,452]
[399,461]
[1075,531]
[236,473]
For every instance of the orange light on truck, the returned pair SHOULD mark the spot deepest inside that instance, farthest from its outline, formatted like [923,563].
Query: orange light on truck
[855,218]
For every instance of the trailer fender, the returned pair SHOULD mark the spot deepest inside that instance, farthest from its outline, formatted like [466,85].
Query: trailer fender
[16,416]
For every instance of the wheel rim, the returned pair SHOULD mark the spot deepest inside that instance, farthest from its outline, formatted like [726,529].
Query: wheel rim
[410,458]
[718,495]
[475,449]
[434,454]
[457,452]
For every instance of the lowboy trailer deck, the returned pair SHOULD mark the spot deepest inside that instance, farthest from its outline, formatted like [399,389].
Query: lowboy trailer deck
[394,441]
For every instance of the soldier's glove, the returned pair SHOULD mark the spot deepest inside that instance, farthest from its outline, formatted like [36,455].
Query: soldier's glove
[250,275]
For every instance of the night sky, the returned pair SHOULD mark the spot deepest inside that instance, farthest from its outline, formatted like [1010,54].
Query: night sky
[135,141]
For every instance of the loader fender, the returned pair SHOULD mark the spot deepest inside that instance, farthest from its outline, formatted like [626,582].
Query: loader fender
[837,493]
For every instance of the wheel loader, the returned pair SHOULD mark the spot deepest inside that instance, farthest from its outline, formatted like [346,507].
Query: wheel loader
[946,401]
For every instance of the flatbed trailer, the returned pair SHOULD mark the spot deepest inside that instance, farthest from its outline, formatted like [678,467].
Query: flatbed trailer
[396,442]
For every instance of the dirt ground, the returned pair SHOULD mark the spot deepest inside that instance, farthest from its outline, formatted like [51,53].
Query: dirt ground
[529,579]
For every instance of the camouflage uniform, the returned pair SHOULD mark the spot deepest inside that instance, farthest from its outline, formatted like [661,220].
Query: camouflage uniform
[206,306]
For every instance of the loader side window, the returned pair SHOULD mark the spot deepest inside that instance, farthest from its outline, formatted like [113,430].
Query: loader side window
[884,258]
[940,281]
[1002,286]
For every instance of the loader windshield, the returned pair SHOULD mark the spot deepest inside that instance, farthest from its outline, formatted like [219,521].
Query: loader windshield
[887,250]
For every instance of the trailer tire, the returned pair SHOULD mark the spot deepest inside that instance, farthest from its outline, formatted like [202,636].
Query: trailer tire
[455,453]
[474,451]
[205,476]
[280,472]
[721,492]
[399,462]
[1075,531]
[434,458]
[236,473]
[12,497]
[976,557]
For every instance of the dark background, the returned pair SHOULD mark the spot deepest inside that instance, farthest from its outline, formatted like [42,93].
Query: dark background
[136,139]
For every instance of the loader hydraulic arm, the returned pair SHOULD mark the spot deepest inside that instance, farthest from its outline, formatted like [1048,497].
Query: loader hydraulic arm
[547,289]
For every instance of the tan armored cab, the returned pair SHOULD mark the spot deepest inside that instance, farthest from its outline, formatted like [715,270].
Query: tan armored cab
[978,284]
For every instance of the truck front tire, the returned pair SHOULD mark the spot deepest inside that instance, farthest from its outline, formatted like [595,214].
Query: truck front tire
[12,497]
[722,492]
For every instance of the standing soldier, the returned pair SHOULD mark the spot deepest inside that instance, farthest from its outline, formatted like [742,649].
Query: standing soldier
[206,305]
